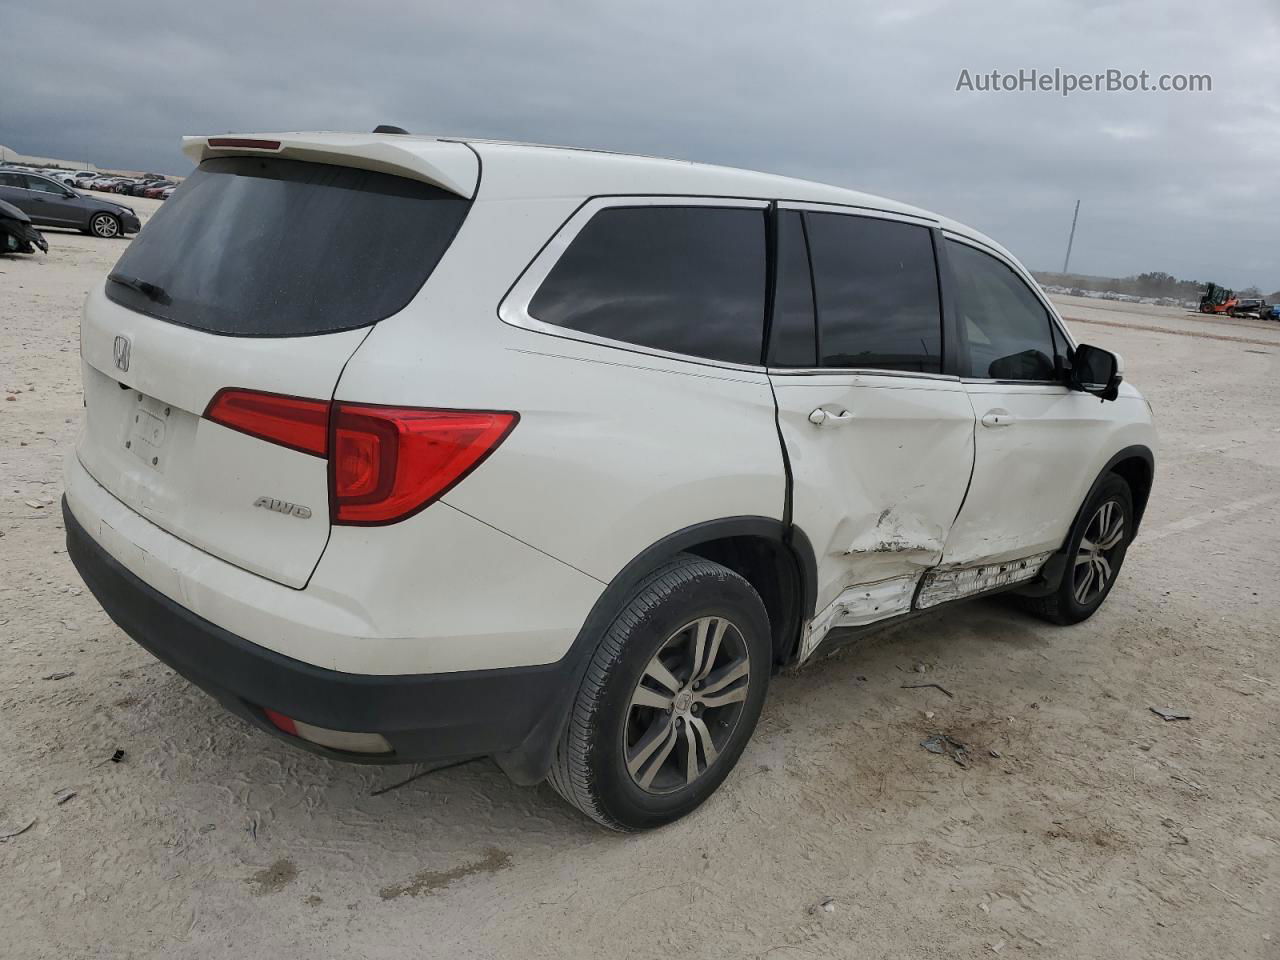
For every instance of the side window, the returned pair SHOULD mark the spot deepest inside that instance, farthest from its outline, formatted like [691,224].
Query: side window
[687,280]
[1007,328]
[793,338]
[41,185]
[13,180]
[876,284]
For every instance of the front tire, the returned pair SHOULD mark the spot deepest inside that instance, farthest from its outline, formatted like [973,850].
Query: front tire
[104,225]
[669,700]
[1099,540]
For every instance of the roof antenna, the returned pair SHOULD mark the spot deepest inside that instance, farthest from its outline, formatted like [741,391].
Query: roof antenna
[388,128]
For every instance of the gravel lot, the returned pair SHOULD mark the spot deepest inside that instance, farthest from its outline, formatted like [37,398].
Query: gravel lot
[1084,827]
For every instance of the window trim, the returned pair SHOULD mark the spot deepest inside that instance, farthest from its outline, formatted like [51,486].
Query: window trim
[514,308]
[945,320]
[1055,321]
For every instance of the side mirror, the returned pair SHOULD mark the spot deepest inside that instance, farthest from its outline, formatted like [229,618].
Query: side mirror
[1096,371]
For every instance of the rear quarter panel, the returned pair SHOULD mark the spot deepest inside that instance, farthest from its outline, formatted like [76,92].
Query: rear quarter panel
[614,449]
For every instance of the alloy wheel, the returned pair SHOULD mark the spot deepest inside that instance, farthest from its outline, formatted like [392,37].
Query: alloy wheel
[1094,565]
[105,225]
[686,705]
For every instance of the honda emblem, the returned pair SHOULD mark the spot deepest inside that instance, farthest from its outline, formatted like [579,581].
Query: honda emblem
[122,353]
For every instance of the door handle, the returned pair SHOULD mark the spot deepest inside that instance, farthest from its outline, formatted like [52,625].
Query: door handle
[997,418]
[821,417]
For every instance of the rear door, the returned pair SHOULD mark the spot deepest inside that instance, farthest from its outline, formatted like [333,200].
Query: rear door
[1035,437]
[13,189]
[260,274]
[879,438]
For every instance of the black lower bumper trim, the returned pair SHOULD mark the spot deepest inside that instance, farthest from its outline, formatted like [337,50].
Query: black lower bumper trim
[423,716]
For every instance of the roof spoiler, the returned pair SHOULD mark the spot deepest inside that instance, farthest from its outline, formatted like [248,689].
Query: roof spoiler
[449,165]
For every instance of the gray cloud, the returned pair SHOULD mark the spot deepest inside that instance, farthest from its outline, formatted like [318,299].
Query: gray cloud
[858,94]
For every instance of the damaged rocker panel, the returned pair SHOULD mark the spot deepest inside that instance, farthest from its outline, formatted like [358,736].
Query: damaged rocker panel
[858,606]
[942,585]
[868,603]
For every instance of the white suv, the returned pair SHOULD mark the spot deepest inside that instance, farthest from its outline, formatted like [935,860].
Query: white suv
[410,449]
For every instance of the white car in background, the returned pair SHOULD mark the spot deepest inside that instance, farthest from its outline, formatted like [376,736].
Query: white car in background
[555,455]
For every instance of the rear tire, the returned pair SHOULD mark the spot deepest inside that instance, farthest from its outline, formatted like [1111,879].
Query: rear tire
[1099,540]
[682,670]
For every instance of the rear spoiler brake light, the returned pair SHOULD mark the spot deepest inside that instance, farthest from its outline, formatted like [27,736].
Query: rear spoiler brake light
[243,143]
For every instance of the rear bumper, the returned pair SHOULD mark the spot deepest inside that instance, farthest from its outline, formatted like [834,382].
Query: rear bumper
[422,716]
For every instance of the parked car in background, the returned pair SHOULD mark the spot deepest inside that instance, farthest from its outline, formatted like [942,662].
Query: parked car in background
[155,190]
[138,187]
[727,421]
[51,204]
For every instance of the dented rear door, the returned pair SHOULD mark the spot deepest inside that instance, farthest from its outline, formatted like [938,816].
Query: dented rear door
[880,458]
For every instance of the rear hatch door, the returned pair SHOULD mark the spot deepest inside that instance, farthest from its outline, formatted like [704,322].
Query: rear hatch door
[261,273]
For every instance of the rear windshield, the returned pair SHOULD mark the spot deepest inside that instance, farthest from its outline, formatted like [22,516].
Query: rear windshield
[262,247]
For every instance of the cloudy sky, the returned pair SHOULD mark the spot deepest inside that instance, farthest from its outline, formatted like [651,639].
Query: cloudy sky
[855,93]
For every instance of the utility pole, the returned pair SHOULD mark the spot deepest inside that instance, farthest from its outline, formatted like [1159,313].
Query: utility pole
[1071,239]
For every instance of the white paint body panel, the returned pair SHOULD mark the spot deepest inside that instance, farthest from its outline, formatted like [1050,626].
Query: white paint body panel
[1031,475]
[877,494]
[445,163]
[615,448]
[438,593]
[207,477]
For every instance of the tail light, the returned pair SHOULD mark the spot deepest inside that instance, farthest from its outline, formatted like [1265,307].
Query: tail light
[385,463]
[292,422]
[390,462]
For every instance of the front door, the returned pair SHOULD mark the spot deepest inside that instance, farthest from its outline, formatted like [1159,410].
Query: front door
[1033,439]
[879,440]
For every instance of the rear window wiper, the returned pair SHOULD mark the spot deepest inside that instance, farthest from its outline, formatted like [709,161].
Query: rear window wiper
[148,290]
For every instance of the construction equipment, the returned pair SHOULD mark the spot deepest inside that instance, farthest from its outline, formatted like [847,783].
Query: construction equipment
[1217,299]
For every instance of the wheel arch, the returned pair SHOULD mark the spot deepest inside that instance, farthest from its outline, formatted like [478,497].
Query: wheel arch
[1136,466]
[1133,464]
[777,559]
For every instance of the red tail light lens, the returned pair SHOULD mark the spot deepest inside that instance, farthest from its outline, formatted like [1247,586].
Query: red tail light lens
[289,421]
[387,463]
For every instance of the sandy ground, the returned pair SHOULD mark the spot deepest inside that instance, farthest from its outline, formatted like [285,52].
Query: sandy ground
[1097,831]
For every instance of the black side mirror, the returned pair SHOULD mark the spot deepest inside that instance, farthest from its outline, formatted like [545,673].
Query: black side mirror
[1096,371]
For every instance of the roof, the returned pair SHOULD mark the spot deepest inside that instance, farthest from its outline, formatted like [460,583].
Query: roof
[511,170]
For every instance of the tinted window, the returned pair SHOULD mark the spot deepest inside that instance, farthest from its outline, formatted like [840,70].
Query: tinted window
[684,279]
[1006,327]
[278,248]
[42,185]
[13,180]
[794,342]
[877,293]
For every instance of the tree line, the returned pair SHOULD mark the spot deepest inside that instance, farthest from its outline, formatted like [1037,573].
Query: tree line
[1154,284]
